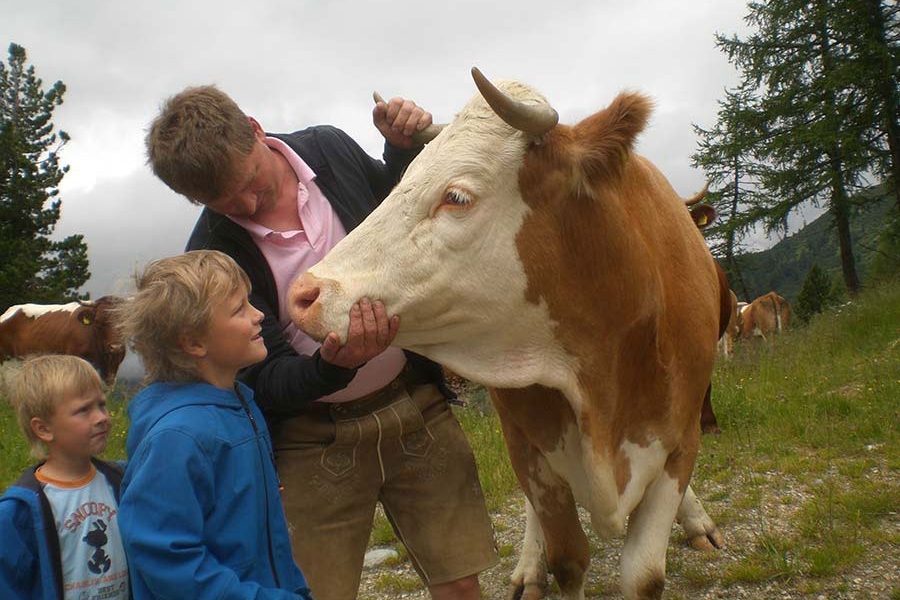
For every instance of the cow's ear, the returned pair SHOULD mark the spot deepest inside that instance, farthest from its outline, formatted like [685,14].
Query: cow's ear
[703,215]
[603,141]
[85,315]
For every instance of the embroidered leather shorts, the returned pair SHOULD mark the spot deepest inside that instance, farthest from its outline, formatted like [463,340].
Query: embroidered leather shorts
[400,446]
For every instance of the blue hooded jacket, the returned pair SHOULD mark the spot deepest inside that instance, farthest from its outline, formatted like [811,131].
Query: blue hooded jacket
[200,512]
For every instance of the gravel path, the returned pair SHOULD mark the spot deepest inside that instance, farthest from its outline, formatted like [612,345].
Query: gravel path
[876,577]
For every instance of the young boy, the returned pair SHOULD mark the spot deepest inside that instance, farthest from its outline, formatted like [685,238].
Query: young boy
[59,523]
[201,512]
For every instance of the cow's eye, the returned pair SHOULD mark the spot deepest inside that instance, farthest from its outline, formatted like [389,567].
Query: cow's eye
[457,198]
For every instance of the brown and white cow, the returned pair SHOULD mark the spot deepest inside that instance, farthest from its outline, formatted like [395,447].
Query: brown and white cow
[79,328]
[767,315]
[552,264]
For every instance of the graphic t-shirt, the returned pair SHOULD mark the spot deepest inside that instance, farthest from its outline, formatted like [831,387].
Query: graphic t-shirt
[93,558]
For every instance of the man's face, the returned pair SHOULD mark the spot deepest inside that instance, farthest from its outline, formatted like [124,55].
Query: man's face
[255,185]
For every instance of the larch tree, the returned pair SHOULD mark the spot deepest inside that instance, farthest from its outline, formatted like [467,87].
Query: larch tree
[808,133]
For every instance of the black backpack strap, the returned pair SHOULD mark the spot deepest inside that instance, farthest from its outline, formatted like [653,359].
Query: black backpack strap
[29,481]
[113,472]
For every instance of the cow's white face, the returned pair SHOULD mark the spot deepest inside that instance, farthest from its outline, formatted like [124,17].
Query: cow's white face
[441,252]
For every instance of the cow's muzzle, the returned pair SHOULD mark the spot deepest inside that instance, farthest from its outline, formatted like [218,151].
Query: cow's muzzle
[305,307]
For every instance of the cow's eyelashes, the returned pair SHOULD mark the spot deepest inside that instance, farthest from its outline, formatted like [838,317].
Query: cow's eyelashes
[457,198]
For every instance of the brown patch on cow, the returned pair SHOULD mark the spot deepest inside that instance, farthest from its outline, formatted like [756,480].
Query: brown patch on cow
[610,248]
[622,472]
[680,464]
[542,414]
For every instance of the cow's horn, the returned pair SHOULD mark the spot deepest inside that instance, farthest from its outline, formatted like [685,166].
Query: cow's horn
[418,137]
[698,196]
[533,119]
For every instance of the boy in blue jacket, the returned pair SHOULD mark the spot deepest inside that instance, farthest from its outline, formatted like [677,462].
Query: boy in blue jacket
[59,525]
[201,515]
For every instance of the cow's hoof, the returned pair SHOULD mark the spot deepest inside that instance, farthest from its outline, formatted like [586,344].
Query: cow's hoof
[529,591]
[713,429]
[708,542]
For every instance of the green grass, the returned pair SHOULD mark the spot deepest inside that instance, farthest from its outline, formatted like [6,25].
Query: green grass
[397,584]
[820,406]
[817,411]
[482,427]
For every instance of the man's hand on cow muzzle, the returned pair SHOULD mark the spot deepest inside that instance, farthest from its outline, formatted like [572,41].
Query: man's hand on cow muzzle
[370,334]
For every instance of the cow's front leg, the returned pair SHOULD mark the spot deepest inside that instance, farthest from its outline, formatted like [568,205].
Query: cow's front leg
[529,579]
[553,507]
[699,528]
[649,525]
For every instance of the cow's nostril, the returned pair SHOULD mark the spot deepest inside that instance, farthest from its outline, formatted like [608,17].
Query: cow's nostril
[306,297]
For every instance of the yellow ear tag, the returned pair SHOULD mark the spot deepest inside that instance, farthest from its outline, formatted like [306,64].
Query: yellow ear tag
[702,221]
[86,318]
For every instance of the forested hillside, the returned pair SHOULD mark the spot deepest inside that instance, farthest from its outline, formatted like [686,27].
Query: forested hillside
[784,266]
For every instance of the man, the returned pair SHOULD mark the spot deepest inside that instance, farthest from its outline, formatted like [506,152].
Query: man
[352,425]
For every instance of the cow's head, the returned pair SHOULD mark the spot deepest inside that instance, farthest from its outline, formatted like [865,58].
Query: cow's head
[459,245]
[108,347]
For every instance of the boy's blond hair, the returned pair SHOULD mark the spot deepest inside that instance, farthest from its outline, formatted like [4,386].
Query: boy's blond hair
[194,141]
[41,383]
[175,298]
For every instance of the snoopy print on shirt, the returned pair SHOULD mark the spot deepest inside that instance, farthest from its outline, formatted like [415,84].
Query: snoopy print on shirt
[93,558]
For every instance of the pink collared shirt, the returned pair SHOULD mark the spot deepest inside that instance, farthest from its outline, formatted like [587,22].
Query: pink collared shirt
[290,253]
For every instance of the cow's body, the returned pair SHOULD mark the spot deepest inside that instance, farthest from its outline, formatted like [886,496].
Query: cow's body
[767,315]
[564,272]
[78,328]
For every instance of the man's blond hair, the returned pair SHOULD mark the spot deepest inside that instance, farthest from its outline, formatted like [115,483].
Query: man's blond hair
[41,383]
[175,298]
[193,143]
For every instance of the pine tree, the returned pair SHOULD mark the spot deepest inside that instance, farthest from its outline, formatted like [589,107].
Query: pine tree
[732,173]
[870,29]
[33,267]
[808,135]
[816,294]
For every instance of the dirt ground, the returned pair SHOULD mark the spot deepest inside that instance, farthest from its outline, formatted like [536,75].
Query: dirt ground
[877,577]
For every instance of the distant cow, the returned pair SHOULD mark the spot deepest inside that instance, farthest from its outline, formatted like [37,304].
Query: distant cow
[79,328]
[553,264]
[767,315]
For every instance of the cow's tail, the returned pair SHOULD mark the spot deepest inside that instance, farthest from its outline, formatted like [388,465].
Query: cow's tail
[777,314]
[708,421]
[724,300]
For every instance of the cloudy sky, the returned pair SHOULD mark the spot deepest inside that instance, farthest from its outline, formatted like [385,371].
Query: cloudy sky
[294,63]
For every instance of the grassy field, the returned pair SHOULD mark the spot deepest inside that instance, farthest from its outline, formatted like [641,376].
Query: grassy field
[804,479]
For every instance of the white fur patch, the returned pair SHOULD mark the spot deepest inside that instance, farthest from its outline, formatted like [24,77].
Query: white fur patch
[34,311]
[646,464]
[644,553]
